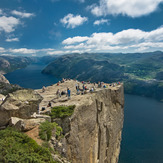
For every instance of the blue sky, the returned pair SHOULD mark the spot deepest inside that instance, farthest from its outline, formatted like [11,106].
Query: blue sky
[50,27]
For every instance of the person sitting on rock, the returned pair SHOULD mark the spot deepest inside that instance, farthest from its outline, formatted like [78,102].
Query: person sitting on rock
[92,90]
[43,89]
[49,104]
[63,93]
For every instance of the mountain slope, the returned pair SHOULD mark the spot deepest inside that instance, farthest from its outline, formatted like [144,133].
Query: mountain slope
[11,63]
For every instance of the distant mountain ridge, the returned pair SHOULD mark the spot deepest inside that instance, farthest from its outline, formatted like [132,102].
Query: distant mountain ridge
[11,63]
[142,73]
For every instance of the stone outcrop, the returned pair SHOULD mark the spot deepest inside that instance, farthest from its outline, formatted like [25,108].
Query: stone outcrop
[93,132]
[25,124]
[3,79]
[2,97]
[21,104]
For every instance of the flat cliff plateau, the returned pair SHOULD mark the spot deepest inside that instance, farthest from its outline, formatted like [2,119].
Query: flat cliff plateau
[93,133]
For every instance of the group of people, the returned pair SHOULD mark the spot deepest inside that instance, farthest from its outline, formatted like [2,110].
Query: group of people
[68,93]
[62,81]
[84,88]
[79,90]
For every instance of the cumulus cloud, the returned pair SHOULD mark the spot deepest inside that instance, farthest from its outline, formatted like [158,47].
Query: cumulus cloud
[76,39]
[26,51]
[56,52]
[8,24]
[23,51]
[32,52]
[127,40]
[12,39]
[22,14]
[101,21]
[131,8]
[72,21]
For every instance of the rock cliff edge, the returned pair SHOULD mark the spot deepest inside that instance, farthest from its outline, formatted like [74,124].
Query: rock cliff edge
[93,132]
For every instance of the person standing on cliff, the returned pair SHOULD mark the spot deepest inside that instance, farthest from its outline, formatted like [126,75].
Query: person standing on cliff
[58,93]
[68,93]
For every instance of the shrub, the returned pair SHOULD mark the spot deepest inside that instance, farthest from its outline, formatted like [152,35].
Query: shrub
[45,130]
[62,111]
[17,147]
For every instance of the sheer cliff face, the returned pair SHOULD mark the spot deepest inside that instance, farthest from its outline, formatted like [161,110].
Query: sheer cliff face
[96,127]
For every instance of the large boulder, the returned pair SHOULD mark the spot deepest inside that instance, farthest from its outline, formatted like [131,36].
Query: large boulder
[25,124]
[21,104]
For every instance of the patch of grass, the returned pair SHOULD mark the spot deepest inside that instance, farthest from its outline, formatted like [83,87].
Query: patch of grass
[62,111]
[17,147]
[45,130]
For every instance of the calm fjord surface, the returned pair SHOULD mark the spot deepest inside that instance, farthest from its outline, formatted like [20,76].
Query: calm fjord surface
[142,140]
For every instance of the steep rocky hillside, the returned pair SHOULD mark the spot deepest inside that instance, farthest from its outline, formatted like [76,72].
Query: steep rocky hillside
[11,63]
[6,87]
[83,68]
[8,64]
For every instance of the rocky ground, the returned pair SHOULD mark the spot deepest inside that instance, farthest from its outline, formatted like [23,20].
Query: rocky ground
[91,134]
[50,94]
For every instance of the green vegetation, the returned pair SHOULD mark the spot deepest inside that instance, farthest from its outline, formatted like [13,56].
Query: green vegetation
[62,111]
[46,128]
[16,147]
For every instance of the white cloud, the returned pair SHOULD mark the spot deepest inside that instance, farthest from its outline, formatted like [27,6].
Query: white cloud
[5,54]
[131,8]
[8,24]
[12,39]
[1,12]
[32,52]
[23,51]
[124,41]
[55,52]
[22,14]
[76,39]
[71,21]
[2,50]
[101,21]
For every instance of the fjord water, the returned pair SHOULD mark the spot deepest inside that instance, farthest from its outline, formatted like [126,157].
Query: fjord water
[31,77]
[142,139]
